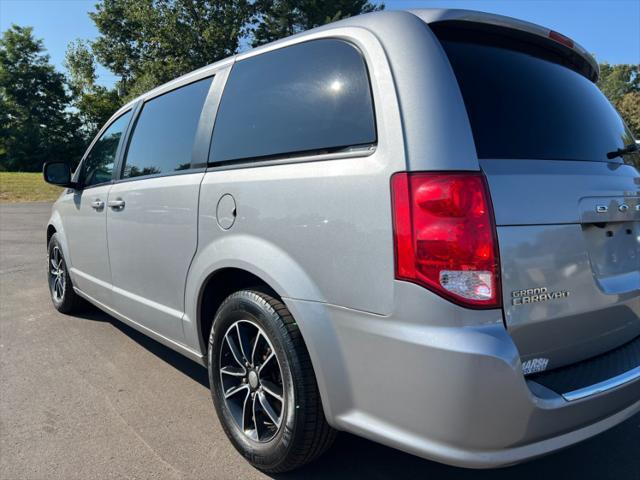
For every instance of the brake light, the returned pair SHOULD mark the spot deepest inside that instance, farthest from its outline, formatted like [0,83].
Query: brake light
[558,37]
[445,238]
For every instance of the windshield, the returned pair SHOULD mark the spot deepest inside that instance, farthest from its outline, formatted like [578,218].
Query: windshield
[523,103]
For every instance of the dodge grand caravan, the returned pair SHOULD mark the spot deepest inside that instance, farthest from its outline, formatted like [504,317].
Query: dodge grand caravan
[420,227]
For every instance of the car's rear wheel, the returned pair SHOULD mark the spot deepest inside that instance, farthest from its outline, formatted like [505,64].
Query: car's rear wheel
[263,385]
[63,296]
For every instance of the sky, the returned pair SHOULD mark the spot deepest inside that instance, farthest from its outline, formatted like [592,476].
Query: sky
[608,28]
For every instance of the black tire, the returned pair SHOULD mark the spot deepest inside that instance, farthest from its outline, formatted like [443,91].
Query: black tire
[64,298]
[303,434]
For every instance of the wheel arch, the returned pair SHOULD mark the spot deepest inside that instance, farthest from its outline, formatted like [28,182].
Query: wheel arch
[239,261]
[50,231]
[55,227]
[216,288]
[221,283]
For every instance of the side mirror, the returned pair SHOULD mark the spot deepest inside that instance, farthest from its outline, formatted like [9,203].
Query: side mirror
[58,173]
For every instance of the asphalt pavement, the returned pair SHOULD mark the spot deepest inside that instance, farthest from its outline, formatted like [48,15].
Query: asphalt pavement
[87,397]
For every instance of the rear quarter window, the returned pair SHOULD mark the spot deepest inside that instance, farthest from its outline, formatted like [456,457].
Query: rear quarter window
[523,104]
[314,96]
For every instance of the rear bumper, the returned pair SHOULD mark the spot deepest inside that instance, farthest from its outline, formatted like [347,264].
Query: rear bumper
[454,394]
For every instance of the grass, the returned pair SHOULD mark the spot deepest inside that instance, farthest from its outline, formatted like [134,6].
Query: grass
[26,187]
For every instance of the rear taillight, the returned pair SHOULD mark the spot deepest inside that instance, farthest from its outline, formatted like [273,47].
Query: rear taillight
[445,238]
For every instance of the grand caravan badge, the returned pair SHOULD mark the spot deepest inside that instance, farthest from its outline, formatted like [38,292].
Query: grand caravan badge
[536,295]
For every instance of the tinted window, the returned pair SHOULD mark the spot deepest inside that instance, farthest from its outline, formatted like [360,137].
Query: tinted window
[521,104]
[98,165]
[307,97]
[164,133]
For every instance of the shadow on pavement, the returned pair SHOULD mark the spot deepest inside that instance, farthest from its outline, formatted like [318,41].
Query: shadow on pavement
[614,454]
[188,367]
[352,457]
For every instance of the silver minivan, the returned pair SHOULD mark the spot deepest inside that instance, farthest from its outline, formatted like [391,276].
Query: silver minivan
[421,227]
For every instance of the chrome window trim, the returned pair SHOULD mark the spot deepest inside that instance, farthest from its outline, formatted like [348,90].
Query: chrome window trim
[172,173]
[287,159]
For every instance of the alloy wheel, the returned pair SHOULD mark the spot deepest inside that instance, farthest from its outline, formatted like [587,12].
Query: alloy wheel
[57,278]
[251,379]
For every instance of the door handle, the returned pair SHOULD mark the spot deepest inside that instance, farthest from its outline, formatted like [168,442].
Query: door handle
[116,204]
[97,204]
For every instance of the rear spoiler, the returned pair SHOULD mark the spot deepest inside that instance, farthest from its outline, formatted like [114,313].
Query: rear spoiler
[584,61]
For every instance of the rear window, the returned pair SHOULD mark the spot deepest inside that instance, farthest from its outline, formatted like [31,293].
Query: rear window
[310,97]
[522,103]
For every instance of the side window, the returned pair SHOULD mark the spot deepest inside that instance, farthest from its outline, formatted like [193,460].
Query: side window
[313,96]
[98,165]
[164,133]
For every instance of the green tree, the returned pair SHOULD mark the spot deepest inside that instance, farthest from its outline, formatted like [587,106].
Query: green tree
[149,42]
[618,80]
[35,123]
[629,108]
[276,19]
[621,84]
[94,103]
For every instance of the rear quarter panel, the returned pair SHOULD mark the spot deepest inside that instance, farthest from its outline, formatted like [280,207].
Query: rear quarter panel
[321,230]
